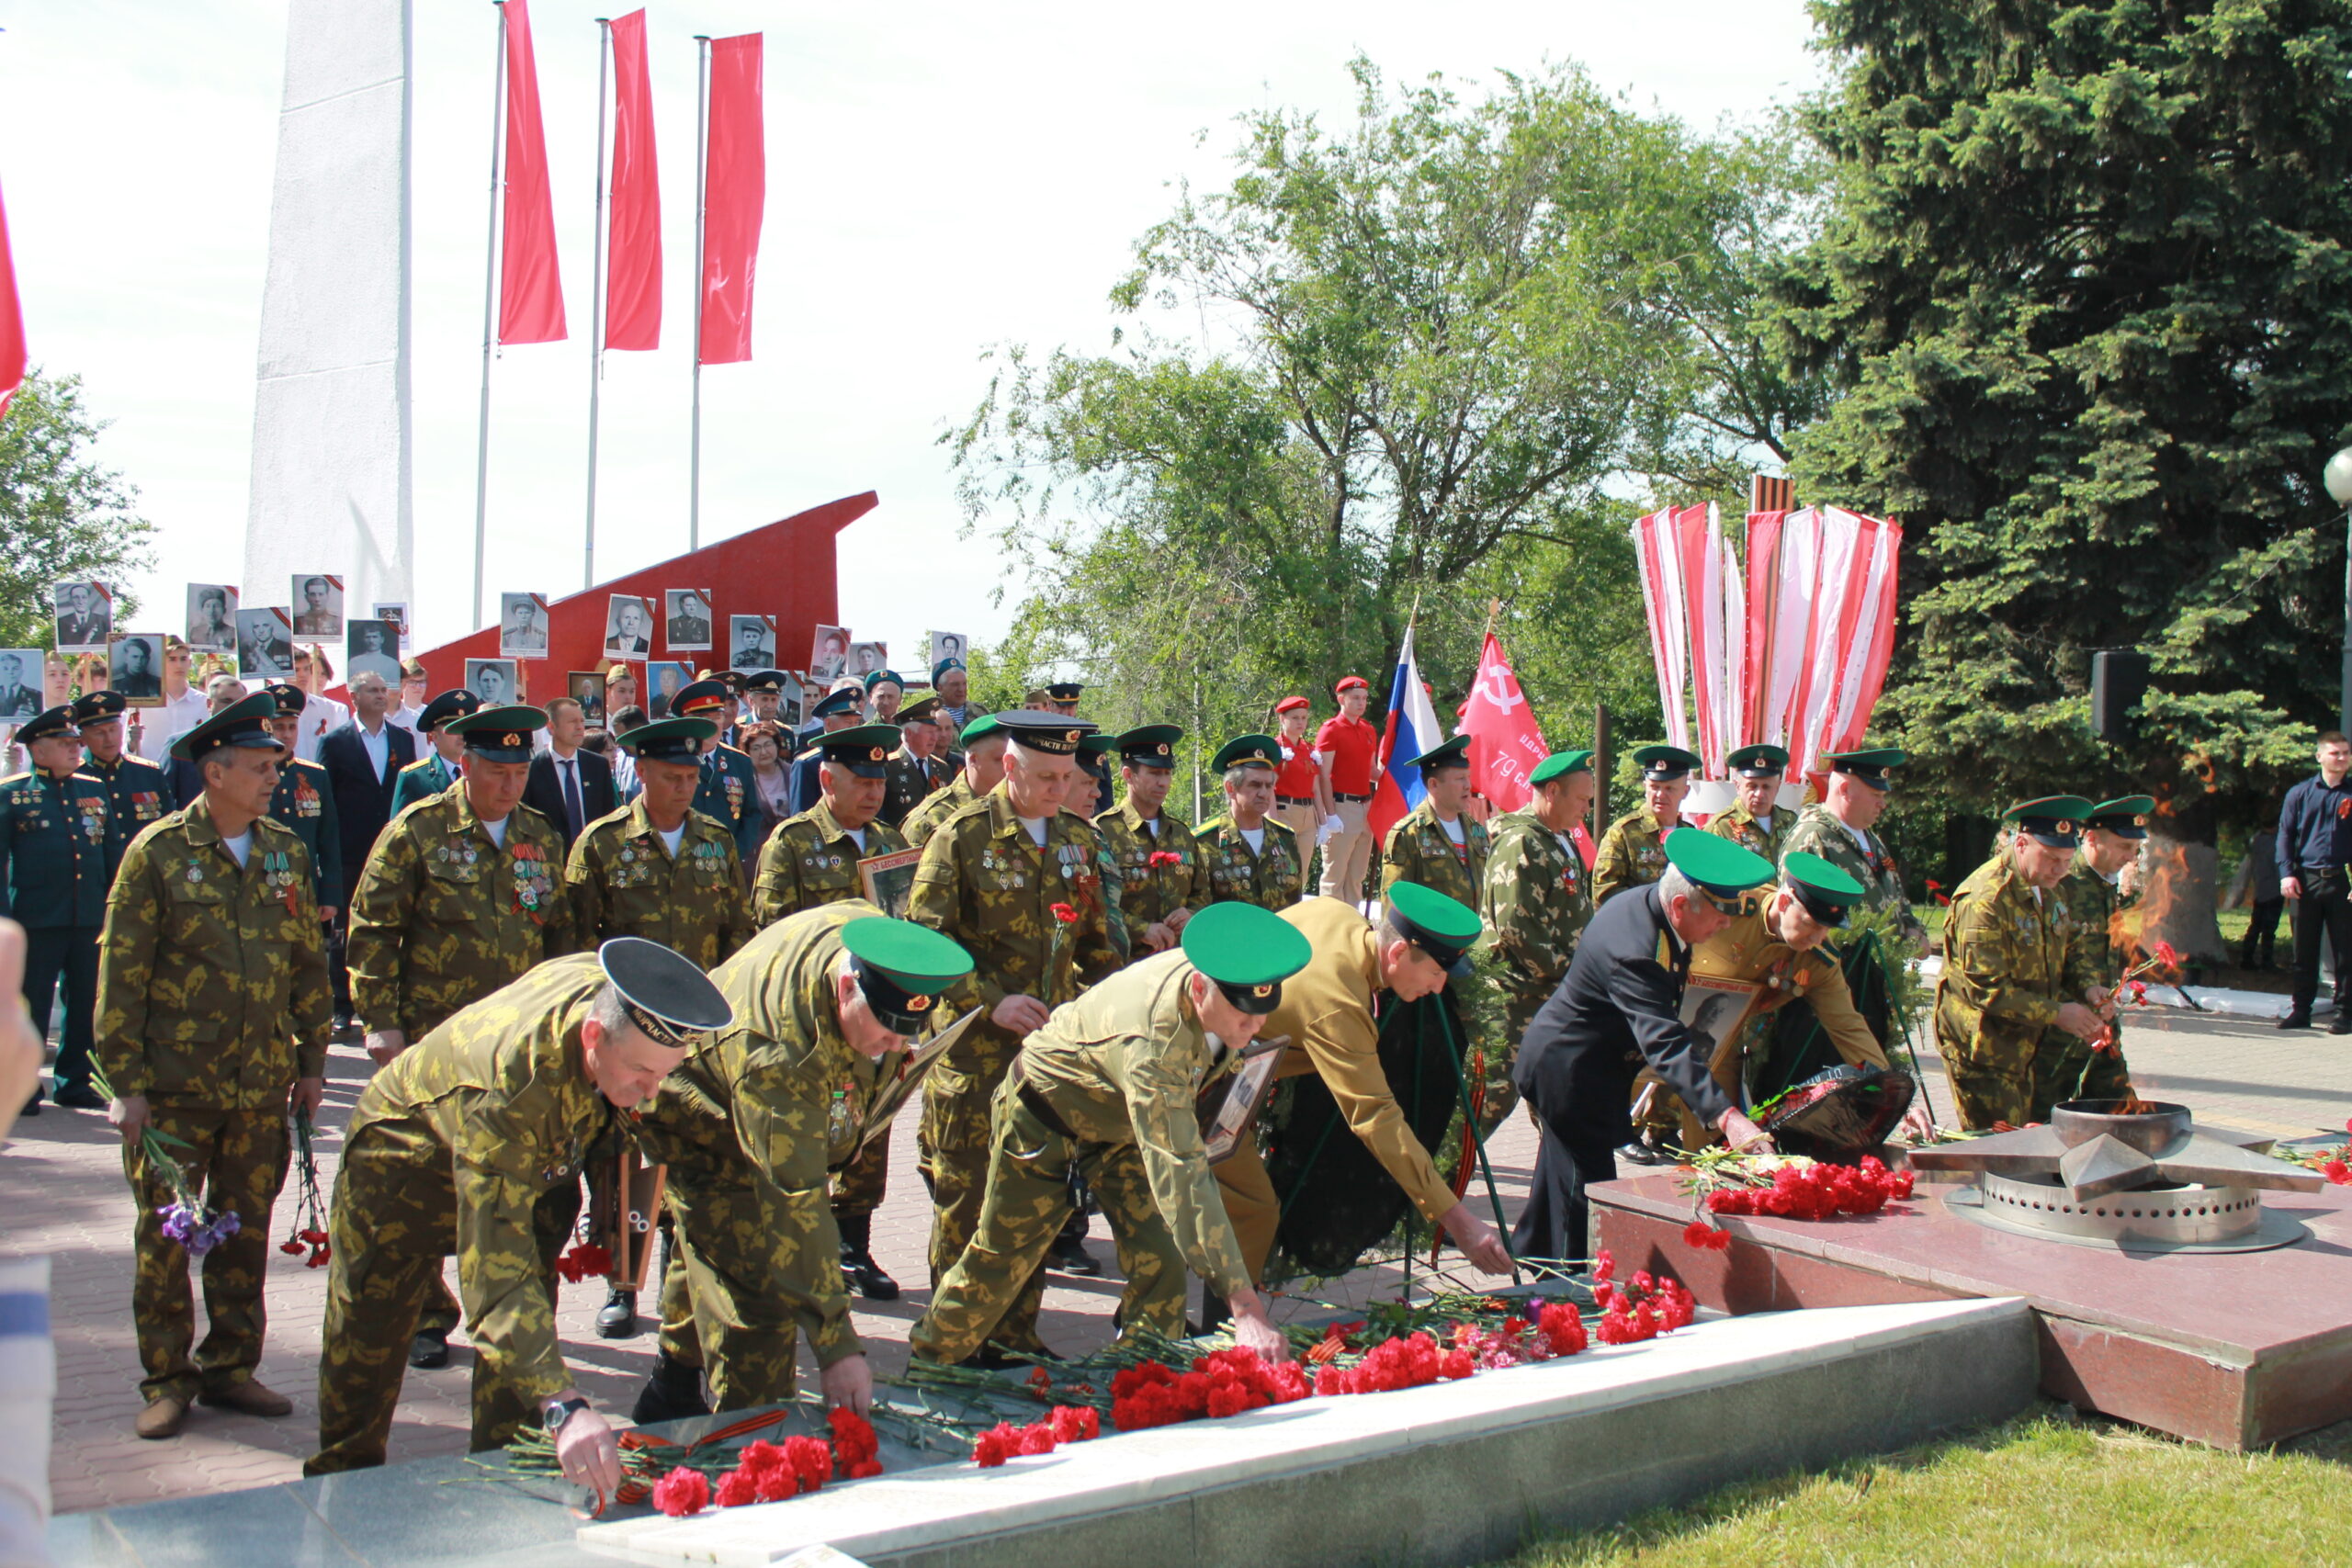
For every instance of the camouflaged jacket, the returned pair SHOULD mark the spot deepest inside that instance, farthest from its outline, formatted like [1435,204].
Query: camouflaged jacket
[1159,874]
[1737,824]
[937,807]
[624,882]
[1271,876]
[1818,832]
[811,860]
[986,883]
[2006,968]
[442,916]
[1418,849]
[1632,853]
[1535,900]
[212,979]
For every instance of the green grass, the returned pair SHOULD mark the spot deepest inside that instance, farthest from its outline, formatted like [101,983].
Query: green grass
[2049,1487]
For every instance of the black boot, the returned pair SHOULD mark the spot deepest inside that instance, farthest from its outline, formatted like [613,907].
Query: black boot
[673,1394]
[865,1276]
[618,1318]
[1068,1252]
[429,1349]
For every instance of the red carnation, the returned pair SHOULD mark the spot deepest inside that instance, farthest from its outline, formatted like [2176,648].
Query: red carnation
[1076,1423]
[682,1492]
[996,1445]
[736,1487]
[1064,914]
[1037,1438]
[1604,1266]
[810,1460]
[2336,1170]
[289,1246]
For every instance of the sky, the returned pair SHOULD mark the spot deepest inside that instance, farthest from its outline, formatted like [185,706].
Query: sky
[942,179]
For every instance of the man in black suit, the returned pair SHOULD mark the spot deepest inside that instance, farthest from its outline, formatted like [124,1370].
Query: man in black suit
[568,785]
[362,762]
[1619,1008]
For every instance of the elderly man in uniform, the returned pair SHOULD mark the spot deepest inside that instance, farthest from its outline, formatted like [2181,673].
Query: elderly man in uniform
[1328,1013]
[1160,864]
[1632,850]
[834,712]
[471,1140]
[1434,844]
[213,1017]
[1245,854]
[2065,1067]
[1839,830]
[825,1003]
[1750,819]
[1534,902]
[2009,976]
[60,842]
[1108,1087]
[304,801]
[728,791]
[984,743]
[809,860]
[461,895]
[1621,1005]
[140,790]
[917,768]
[1019,883]
[446,757]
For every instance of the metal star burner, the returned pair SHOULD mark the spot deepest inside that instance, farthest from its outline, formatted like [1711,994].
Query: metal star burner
[2143,1181]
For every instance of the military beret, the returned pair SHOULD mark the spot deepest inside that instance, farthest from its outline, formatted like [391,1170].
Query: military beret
[836,703]
[1247,751]
[450,705]
[664,994]
[1560,765]
[1663,764]
[901,968]
[96,707]
[1246,951]
[1826,892]
[1150,746]
[1350,684]
[1716,866]
[501,734]
[943,667]
[2125,817]
[1055,734]
[1759,761]
[874,678]
[698,698]
[668,739]
[863,748]
[1293,705]
[58,722]
[1454,753]
[1441,927]
[1869,765]
[242,724]
[980,729]
[2055,820]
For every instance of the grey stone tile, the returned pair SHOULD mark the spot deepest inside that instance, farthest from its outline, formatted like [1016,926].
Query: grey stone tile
[265,1528]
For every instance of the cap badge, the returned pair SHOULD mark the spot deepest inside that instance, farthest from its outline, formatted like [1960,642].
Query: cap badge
[1161,748]
[917,1004]
[512,739]
[1261,990]
[1072,737]
[876,755]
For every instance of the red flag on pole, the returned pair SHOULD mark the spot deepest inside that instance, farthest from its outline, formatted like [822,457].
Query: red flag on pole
[1505,741]
[530,292]
[633,306]
[735,190]
[12,323]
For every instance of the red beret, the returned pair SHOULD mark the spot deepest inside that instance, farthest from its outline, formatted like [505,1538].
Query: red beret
[1290,705]
[1352,683]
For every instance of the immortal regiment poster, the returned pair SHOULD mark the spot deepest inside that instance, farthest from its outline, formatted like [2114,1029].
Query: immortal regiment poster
[491,680]
[664,678]
[753,638]
[628,620]
[522,625]
[946,646]
[264,644]
[372,646]
[318,605]
[867,658]
[84,616]
[587,688]
[396,617]
[19,684]
[136,669]
[212,617]
[828,654]
[688,627]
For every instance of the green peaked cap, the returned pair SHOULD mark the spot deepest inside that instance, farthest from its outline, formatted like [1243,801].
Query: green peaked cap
[1717,864]
[980,729]
[1444,754]
[1248,951]
[2125,817]
[1826,892]
[1258,750]
[900,966]
[1443,927]
[1559,765]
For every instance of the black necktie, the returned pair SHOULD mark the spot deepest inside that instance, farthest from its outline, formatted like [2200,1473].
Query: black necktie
[571,806]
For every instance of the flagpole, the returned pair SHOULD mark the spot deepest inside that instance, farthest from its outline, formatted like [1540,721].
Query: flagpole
[702,194]
[490,303]
[596,290]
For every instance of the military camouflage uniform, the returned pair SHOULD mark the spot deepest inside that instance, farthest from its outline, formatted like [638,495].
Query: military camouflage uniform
[212,1000]
[937,807]
[2005,973]
[909,781]
[1740,827]
[442,917]
[2065,1065]
[471,1142]
[1148,892]
[810,861]
[60,842]
[1535,900]
[984,882]
[748,1127]
[1272,878]
[1632,853]
[1817,831]
[624,882]
[1118,1072]
[1418,849]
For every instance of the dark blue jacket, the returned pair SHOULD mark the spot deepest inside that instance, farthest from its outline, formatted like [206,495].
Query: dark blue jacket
[59,846]
[304,803]
[2315,827]
[729,791]
[140,790]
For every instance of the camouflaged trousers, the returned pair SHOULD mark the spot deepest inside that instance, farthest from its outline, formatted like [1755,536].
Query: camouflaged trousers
[744,1273]
[955,1141]
[2065,1067]
[239,1158]
[860,1186]
[386,1264]
[1027,1198]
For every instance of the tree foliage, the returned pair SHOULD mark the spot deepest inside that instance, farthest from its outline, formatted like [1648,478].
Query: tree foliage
[63,515]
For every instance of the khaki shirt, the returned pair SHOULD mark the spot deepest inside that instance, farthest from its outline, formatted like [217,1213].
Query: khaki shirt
[1739,825]
[1749,949]
[1148,894]
[937,807]
[1271,877]
[1632,853]
[1419,851]
[811,860]
[624,882]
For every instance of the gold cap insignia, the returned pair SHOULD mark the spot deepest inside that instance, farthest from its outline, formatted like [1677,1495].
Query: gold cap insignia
[1161,748]
[876,755]
[512,738]
[1073,736]
[1261,990]
[917,1004]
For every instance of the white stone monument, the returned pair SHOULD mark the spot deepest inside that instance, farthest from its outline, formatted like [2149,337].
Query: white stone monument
[330,484]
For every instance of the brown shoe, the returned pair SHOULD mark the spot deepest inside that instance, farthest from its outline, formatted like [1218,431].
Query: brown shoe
[162,1417]
[251,1396]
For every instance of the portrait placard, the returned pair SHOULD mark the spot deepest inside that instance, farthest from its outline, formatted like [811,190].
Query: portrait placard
[212,617]
[750,641]
[85,614]
[20,672]
[491,680]
[264,644]
[372,646]
[522,625]
[629,622]
[135,667]
[318,605]
[687,627]
[827,653]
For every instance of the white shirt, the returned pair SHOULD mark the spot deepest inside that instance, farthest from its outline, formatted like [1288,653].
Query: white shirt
[857,837]
[405,717]
[1452,829]
[671,838]
[1568,848]
[497,830]
[1861,838]
[238,847]
[1256,839]
[159,727]
[623,775]
[1036,826]
[319,715]
[378,746]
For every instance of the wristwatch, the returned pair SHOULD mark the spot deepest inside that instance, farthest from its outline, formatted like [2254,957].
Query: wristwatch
[556,1412]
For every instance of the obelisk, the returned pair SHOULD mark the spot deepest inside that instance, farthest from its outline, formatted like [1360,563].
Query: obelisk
[330,482]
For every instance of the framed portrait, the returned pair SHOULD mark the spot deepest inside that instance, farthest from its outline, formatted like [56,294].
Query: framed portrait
[395,617]
[1714,1007]
[84,616]
[750,642]
[522,625]
[895,1091]
[687,620]
[827,653]
[588,687]
[135,667]
[889,879]
[945,645]
[1225,1116]
[20,672]
[372,646]
[666,678]
[491,680]
[318,605]
[628,627]
[212,617]
[866,658]
[266,644]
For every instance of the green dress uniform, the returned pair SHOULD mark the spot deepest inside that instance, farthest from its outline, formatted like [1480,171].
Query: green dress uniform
[730,794]
[1739,825]
[1109,1087]
[1271,876]
[624,882]
[451,1150]
[937,807]
[748,1128]
[420,781]
[139,790]
[1160,871]
[1534,902]
[986,883]
[443,915]
[212,1001]
[1632,853]
[912,780]
[1419,850]
[305,806]
[60,843]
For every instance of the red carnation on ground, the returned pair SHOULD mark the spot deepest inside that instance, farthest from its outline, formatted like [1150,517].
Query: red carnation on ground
[736,1487]
[1037,1438]
[1076,1423]
[996,1445]
[682,1492]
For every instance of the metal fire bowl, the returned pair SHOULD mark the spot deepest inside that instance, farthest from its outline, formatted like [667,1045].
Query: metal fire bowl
[2191,1218]
[2152,1131]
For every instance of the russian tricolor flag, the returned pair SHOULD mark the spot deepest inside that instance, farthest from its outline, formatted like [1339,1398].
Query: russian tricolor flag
[1412,730]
